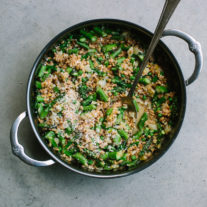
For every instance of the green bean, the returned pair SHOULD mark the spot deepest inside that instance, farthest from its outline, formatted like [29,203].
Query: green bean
[50,136]
[120,117]
[44,113]
[109,47]
[80,72]
[138,134]
[90,162]
[161,89]
[74,50]
[69,69]
[43,125]
[117,139]
[123,47]
[69,130]
[39,98]
[144,81]
[133,157]
[154,79]
[82,39]
[92,50]
[106,63]
[99,31]
[88,35]
[116,155]
[84,45]
[83,90]
[116,53]
[80,158]
[100,163]
[87,101]
[42,71]
[123,134]
[74,73]
[132,77]
[91,65]
[38,84]
[104,156]
[136,105]
[142,121]
[102,95]
[120,60]
[109,111]
[89,107]
[56,89]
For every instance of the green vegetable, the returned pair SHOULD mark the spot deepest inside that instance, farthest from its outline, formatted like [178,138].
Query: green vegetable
[116,53]
[99,31]
[116,155]
[69,130]
[142,121]
[74,50]
[120,116]
[83,90]
[123,134]
[80,72]
[92,50]
[154,79]
[84,45]
[56,89]
[117,139]
[106,63]
[136,105]
[82,39]
[104,156]
[40,98]
[108,48]
[89,107]
[80,158]
[161,89]
[101,94]
[44,113]
[137,134]
[69,70]
[42,71]
[43,125]
[133,157]
[88,100]
[144,81]
[50,135]
[88,35]
[91,65]
[109,111]
[120,60]
[38,84]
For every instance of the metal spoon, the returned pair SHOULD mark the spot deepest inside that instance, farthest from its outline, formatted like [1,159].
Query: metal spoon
[167,12]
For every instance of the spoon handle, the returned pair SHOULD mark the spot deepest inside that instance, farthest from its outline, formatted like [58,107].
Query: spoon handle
[167,12]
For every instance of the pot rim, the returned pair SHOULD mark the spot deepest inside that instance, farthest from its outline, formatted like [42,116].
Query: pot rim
[29,108]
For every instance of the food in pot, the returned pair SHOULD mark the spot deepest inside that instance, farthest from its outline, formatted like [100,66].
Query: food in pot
[77,101]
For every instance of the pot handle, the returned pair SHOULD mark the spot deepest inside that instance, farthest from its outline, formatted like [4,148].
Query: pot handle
[194,47]
[18,149]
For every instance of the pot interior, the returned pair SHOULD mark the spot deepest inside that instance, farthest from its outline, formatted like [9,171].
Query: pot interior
[162,56]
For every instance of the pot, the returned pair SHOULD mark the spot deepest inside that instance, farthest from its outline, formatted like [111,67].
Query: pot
[163,56]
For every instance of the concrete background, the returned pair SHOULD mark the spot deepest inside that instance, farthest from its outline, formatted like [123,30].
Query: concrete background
[179,178]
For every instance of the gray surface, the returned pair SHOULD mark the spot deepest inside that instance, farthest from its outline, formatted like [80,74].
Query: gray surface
[179,178]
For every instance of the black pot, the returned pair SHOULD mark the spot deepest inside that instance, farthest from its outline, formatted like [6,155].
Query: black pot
[164,57]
